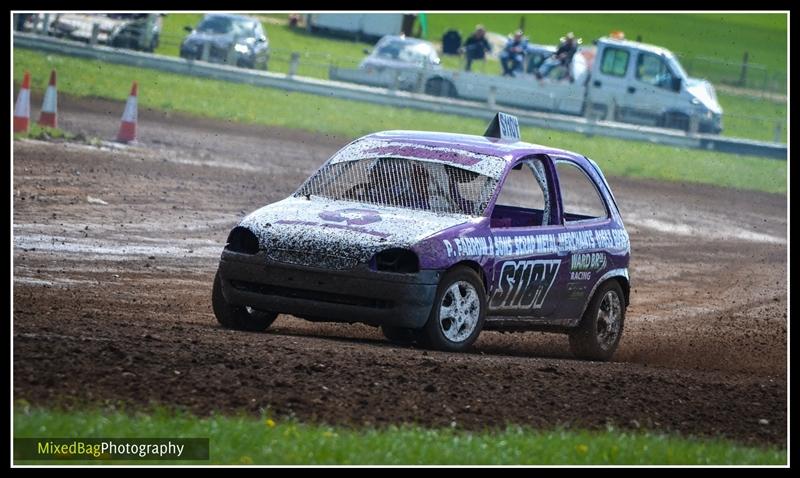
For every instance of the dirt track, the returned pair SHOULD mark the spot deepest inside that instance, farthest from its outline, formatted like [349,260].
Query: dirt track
[111,301]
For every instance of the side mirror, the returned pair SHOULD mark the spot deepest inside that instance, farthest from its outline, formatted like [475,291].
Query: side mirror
[676,84]
[261,39]
[188,29]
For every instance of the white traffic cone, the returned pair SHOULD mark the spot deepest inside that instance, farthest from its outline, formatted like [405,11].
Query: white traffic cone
[22,109]
[50,104]
[127,130]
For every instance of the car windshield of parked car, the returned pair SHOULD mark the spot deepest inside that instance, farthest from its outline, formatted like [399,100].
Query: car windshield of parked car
[405,51]
[406,183]
[222,25]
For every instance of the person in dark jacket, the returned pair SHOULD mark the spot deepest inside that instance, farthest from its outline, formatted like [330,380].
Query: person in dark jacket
[513,54]
[563,55]
[476,46]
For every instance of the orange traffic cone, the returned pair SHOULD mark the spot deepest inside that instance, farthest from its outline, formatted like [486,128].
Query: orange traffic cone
[50,105]
[22,109]
[127,130]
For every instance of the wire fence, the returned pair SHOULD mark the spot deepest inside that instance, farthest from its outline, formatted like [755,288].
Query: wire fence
[761,80]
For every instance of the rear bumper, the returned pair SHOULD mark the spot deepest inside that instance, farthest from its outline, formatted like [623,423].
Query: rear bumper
[360,295]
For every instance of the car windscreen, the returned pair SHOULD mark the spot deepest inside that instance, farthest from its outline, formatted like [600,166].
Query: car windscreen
[406,183]
[215,25]
[403,51]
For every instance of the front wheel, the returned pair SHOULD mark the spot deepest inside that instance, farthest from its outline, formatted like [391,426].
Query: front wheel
[598,334]
[238,317]
[458,312]
[440,87]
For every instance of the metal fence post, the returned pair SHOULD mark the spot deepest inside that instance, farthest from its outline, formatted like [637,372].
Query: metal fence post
[778,129]
[295,59]
[95,33]
[148,32]
[395,81]
[611,113]
[492,100]
[743,74]
[266,61]
[46,24]
[230,59]
[694,125]
[206,51]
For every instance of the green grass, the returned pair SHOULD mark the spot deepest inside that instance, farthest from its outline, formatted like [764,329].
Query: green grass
[754,118]
[244,103]
[45,133]
[248,440]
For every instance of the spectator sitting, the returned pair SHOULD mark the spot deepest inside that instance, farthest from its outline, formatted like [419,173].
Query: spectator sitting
[567,48]
[476,46]
[513,54]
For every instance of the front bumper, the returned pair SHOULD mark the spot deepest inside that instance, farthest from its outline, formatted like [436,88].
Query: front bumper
[359,295]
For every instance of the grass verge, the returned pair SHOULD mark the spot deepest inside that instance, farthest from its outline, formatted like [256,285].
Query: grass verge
[248,440]
[248,104]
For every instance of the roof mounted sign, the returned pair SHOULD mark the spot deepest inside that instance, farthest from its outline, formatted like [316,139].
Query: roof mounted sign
[503,126]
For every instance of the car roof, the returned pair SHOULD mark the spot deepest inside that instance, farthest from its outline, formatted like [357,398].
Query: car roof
[501,148]
[404,39]
[231,16]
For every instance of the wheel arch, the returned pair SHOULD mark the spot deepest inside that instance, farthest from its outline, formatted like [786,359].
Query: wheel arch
[618,275]
[475,267]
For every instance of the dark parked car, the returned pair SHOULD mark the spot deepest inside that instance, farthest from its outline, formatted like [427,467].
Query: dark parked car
[234,39]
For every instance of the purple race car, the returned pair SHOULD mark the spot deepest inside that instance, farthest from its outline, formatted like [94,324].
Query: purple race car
[435,237]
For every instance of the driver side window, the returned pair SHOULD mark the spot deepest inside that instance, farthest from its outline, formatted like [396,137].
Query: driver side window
[652,70]
[524,199]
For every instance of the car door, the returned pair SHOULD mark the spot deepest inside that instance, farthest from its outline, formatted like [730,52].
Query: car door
[586,220]
[524,231]
[608,86]
[655,88]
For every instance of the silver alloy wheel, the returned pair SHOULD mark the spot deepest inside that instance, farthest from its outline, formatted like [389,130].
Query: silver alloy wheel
[608,319]
[459,311]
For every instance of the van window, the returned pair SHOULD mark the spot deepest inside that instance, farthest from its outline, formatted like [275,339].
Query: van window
[652,69]
[579,195]
[615,61]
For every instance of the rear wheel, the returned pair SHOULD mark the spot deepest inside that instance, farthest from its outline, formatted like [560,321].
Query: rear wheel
[238,317]
[458,312]
[598,334]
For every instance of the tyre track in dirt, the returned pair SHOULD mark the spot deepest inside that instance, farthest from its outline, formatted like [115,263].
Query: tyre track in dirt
[111,302]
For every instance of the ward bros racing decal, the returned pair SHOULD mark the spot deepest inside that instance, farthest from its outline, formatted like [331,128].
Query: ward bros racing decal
[524,284]
[582,265]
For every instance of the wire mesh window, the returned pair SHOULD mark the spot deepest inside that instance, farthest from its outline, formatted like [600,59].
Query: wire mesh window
[407,183]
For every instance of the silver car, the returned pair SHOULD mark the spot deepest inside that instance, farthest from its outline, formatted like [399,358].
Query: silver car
[398,51]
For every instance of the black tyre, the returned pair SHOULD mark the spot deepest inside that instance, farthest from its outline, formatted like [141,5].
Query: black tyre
[237,317]
[440,87]
[676,121]
[458,312]
[399,335]
[597,336]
